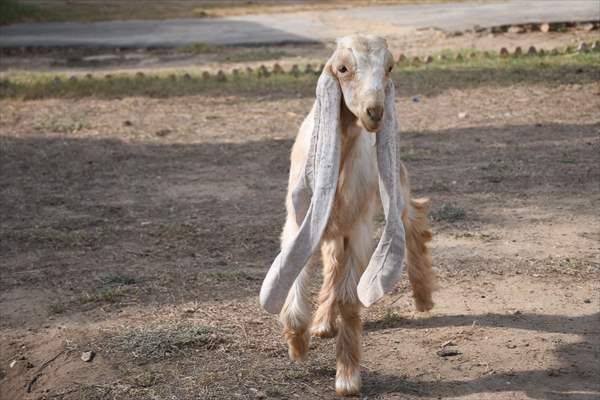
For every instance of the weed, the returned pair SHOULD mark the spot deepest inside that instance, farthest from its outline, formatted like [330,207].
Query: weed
[111,295]
[199,48]
[109,280]
[52,236]
[391,318]
[222,276]
[56,308]
[439,186]
[449,213]
[152,343]
[146,379]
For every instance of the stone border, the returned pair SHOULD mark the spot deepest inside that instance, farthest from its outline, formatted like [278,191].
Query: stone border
[402,60]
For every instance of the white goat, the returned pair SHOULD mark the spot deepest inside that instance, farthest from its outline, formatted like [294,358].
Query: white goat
[344,152]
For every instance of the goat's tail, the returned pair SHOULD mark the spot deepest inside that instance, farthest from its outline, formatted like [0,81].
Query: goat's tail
[418,260]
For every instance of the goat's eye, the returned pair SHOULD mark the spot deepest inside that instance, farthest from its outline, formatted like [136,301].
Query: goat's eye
[342,69]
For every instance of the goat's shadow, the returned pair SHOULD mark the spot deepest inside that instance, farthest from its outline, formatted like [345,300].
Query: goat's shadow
[571,381]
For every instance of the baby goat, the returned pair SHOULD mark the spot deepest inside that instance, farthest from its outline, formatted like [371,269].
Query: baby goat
[344,155]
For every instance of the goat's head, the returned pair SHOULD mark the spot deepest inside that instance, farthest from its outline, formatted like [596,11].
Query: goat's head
[362,64]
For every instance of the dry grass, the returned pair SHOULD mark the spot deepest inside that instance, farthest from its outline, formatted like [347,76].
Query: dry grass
[152,343]
[449,213]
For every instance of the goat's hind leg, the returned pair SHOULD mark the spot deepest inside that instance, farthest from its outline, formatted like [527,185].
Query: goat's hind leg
[418,260]
[324,323]
[296,313]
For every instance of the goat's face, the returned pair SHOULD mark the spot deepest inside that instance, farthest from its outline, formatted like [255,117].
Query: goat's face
[362,65]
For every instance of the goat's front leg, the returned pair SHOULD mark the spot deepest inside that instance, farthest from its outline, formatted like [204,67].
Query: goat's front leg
[324,322]
[348,353]
[344,260]
[296,312]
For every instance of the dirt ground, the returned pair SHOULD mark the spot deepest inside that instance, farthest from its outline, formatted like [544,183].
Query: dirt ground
[144,213]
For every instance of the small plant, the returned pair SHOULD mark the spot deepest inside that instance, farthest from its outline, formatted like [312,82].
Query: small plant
[390,318]
[56,308]
[449,213]
[223,276]
[109,280]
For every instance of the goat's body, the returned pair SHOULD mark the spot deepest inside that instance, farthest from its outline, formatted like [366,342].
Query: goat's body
[345,252]
[339,177]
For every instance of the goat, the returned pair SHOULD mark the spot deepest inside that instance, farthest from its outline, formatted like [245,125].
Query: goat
[344,155]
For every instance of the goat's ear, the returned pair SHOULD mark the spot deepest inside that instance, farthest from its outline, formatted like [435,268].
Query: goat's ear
[326,122]
[385,266]
[312,198]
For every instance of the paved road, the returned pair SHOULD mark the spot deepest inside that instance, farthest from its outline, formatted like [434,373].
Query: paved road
[295,27]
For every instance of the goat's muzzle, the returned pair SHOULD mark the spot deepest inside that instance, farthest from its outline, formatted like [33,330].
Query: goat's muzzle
[371,117]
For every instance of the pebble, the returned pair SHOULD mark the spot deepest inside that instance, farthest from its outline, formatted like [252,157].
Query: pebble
[462,115]
[448,353]
[516,29]
[545,27]
[587,301]
[87,356]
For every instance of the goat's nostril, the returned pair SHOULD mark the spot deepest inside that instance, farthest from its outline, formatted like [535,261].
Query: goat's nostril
[375,113]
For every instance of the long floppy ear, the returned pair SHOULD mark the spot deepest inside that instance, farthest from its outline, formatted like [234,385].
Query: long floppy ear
[313,196]
[385,266]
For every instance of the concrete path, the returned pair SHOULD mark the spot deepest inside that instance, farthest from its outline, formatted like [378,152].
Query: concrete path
[301,27]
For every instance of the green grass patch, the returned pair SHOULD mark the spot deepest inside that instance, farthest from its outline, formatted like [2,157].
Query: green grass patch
[426,79]
[154,343]
[12,12]
[449,213]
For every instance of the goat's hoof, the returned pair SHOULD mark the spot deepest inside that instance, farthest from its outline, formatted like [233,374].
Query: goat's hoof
[347,382]
[324,330]
[423,305]
[297,344]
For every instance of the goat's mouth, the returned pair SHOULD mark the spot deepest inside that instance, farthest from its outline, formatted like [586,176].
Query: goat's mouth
[370,125]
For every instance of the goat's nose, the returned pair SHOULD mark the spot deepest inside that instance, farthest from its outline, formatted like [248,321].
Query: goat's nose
[375,112]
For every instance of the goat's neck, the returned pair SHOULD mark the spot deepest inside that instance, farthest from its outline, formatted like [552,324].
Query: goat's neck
[350,131]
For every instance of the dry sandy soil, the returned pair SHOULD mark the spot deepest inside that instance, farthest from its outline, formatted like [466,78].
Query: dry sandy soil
[143,213]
